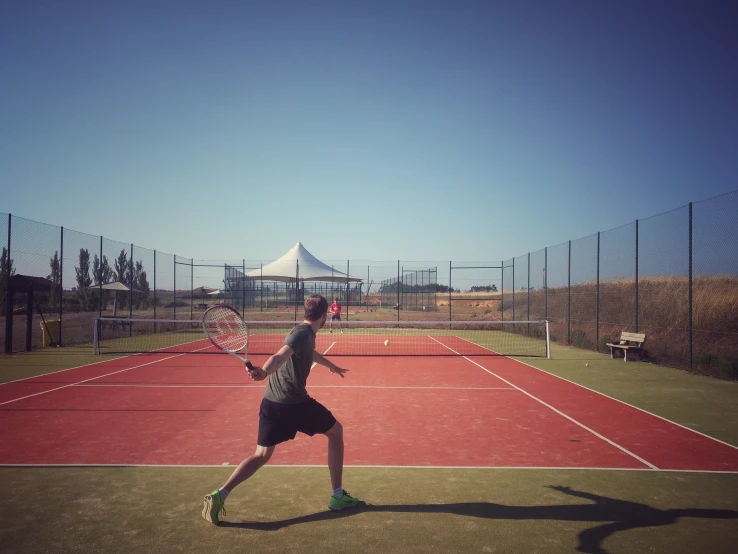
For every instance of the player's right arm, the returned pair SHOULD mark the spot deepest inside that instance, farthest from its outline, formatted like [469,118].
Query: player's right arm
[273,363]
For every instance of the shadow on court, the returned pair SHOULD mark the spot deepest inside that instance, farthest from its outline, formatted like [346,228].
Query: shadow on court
[616,515]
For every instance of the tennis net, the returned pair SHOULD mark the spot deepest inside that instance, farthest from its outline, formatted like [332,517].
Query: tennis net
[349,338]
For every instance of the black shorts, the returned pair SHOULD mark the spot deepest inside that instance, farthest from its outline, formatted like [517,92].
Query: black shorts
[281,422]
[335,318]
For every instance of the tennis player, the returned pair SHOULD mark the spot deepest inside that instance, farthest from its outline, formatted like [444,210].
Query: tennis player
[335,312]
[287,408]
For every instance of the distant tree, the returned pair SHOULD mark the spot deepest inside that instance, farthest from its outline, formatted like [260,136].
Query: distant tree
[6,270]
[141,283]
[103,274]
[483,288]
[83,279]
[55,278]
[122,273]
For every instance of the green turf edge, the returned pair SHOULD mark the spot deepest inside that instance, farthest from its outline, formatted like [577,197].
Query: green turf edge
[699,402]
[409,510]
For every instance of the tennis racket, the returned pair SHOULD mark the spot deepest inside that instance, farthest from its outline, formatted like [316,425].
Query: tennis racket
[228,332]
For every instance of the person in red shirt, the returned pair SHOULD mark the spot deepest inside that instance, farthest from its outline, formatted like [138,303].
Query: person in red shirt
[335,314]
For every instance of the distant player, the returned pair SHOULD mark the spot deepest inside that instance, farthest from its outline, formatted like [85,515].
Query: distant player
[335,314]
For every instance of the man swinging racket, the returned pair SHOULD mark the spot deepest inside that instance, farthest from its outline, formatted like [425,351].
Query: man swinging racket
[287,408]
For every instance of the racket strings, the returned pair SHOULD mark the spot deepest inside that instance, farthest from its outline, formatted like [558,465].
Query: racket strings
[227,330]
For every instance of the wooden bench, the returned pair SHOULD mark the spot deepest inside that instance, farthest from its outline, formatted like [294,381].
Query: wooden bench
[632,342]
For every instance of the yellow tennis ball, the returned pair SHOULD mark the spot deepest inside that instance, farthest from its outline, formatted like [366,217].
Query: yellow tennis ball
[587,365]
[386,343]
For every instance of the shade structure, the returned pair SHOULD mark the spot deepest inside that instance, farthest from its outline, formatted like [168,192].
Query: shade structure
[300,264]
[117,286]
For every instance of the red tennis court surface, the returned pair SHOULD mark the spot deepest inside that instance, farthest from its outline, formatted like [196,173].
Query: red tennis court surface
[198,409]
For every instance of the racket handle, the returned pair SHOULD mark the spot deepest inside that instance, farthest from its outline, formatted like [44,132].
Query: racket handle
[250,366]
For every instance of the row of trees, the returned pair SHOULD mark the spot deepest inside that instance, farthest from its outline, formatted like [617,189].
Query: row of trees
[130,273]
[388,288]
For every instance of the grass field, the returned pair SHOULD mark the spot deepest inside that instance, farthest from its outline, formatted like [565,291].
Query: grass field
[282,509]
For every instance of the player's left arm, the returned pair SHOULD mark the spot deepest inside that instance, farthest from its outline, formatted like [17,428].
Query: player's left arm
[321,360]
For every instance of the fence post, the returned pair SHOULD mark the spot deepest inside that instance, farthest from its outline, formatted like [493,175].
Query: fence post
[348,289]
[243,288]
[130,294]
[502,291]
[597,316]
[174,286]
[636,280]
[398,291]
[690,287]
[568,302]
[297,283]
[154,290]
[192,287]
[8,296]
[450,299]
[261,286]
[513,289]
[61,284]
[528,293]
[545,281]
[100,284]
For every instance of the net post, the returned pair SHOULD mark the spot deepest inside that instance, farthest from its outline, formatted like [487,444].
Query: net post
[548,342]
[95,336]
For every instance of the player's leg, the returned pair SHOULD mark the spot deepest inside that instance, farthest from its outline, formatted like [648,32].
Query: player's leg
[340,499]
[276,425]
[215,501]
[249,466]
[317,419]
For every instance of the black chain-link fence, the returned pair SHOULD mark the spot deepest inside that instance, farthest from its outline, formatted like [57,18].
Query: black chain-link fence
[673,276]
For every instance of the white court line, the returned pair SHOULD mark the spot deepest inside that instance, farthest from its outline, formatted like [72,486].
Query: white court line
[630,405]
[105,361]
[595,433]
[322,466]
[615,399]
[67,369]
[324,353]
[166,386]
[93,378]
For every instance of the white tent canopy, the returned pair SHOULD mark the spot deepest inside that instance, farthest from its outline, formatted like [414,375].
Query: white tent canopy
[114,286]
[301,264]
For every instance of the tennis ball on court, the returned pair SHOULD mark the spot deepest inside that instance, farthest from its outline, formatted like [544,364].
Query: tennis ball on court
[386,343]
[587,365]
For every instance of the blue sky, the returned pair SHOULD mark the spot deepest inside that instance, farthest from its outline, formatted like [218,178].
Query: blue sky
[367,130]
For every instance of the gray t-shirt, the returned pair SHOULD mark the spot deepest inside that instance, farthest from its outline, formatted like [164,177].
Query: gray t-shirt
[287,385]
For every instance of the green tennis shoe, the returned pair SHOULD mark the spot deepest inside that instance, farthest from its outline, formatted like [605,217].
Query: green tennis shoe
[346,501]
[213,507]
